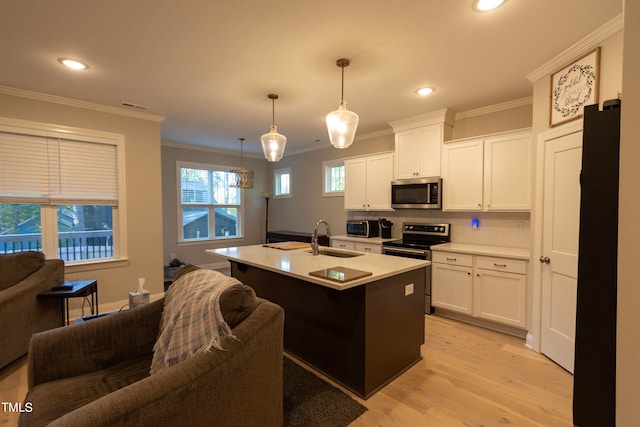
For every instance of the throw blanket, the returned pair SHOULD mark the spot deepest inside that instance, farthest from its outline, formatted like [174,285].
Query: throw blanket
[192,321]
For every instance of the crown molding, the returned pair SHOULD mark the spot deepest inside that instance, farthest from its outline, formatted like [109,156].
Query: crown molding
[581,47]
[37,96]
[495,108]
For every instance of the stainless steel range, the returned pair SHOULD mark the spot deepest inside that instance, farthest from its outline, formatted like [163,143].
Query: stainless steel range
[416,242]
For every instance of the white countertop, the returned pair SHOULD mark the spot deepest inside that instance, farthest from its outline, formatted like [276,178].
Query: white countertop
[466,248]
[298,263]
[370,240]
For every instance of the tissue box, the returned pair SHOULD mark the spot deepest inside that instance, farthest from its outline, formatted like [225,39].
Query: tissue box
[138,298]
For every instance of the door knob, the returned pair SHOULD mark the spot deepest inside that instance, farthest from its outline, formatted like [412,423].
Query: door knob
[545,260]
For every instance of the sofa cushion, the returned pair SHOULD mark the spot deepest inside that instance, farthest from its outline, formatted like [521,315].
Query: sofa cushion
[14,268]
[57,398]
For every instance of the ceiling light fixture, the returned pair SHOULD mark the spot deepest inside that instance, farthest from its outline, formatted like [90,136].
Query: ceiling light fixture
[487,5]
[273,143]
[73,64]
[424,91]
[342,123]
[243,177]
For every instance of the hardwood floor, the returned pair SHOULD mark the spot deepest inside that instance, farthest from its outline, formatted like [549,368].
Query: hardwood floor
[469,376]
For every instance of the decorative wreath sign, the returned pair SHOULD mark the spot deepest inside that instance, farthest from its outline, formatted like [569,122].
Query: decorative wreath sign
[573,87]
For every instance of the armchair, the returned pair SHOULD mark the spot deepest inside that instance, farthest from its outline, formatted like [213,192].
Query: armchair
[96,373]
[23,276]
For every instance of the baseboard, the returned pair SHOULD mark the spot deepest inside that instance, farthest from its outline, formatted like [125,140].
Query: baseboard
[529,341]
[505,329]
[108,307]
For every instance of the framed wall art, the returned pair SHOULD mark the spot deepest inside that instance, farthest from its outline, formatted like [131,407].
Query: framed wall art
[573,87]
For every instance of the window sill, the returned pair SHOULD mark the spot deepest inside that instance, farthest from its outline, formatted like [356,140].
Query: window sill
[210,241]
[100,264]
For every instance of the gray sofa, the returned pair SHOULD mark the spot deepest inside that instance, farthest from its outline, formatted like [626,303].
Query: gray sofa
[96,373]
[23,276]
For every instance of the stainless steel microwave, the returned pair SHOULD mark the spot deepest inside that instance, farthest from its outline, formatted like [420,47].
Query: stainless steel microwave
[362,228]
[419,193]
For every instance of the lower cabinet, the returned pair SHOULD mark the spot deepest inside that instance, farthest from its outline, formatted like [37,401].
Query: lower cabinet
[370,248]
[343,244]
[452,282]
[499,290]
[491,288]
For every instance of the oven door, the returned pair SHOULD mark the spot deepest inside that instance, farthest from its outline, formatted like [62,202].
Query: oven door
[416,254]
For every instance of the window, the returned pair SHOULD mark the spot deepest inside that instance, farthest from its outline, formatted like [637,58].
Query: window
[282,183]
[59,192]
[333,178]
[209,207]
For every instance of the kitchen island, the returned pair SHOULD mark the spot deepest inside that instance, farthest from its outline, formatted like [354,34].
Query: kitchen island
[362,333]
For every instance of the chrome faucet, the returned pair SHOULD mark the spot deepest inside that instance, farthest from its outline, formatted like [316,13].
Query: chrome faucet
[314,238]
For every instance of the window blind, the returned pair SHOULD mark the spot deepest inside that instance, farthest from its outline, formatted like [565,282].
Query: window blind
[54,170]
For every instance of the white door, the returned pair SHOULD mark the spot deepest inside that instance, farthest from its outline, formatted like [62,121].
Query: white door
[559,261]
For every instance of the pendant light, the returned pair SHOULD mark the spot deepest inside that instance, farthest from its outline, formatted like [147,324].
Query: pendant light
[243,177]
[273,143]
[342,123]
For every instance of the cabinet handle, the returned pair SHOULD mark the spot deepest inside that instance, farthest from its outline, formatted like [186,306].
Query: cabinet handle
[499,265]
[367,249]
[479,205]
[477,274]
[452,259]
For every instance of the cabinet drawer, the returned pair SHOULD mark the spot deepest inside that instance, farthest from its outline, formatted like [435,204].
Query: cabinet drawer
[452,258]
[343,244]
[502,264]
[370,249]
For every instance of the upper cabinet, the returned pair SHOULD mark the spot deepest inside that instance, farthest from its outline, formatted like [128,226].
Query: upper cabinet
[368,182]
[491,173]
[419,143]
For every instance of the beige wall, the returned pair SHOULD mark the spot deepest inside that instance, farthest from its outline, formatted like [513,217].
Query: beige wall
[628,352]
[254,203]
[498,121]
[143,194]
[306,205]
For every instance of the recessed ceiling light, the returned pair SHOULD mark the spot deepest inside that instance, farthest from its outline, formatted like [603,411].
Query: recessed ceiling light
[487,5]
[73,64]
[424,91]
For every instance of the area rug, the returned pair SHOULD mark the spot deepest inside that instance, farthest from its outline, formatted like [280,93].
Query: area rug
[310,401]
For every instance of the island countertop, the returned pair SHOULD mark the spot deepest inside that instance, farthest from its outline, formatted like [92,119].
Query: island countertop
[299,263]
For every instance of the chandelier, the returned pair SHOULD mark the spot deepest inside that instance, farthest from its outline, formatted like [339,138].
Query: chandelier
[243,178]
[342,123]
[273,143]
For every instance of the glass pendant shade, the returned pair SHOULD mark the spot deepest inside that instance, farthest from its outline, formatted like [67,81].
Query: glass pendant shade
[273,144]
[342,125]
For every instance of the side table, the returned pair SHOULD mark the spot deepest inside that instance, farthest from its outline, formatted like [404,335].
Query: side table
[79,288]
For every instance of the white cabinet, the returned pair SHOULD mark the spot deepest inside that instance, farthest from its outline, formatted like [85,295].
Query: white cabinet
[368,182]
[452,281]
[370,248]
[492,173]
[418,152]
[462,169]
[343,244]
[499,290]
[486,287]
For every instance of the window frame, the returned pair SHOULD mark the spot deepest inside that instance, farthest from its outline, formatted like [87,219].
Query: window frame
[48,212]
[277,173]
[327,165]
[210,206]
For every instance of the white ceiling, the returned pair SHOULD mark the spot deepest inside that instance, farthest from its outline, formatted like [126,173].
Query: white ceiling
[207,65]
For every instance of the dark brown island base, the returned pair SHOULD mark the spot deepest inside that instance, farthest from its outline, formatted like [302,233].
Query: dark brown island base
[362,336]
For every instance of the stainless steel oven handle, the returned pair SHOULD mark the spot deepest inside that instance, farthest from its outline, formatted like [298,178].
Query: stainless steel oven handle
[403,250]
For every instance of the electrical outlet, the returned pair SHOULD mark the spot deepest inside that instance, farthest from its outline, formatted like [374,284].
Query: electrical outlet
[408,289]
